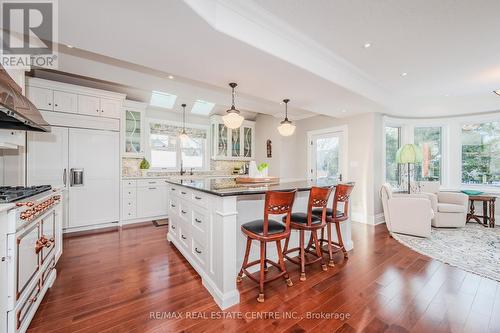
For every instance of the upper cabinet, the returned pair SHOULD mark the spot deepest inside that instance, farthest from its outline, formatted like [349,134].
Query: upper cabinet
[133,129]
[232,144]
[68,98]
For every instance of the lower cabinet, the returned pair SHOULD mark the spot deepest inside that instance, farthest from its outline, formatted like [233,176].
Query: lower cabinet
[143,199]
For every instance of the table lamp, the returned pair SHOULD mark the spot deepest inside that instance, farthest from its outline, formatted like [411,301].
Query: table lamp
[409,154]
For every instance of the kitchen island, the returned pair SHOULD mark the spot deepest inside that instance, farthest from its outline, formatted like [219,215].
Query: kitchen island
[205,218]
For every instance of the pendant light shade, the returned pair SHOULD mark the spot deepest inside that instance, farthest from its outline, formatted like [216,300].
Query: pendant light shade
[232,119]
[183,135]
[286,128]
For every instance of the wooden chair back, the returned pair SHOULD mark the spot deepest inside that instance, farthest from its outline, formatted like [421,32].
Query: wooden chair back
[278,203]
[318,198]
[342,194]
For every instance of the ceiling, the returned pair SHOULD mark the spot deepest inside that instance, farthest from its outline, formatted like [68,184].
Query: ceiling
[309,51]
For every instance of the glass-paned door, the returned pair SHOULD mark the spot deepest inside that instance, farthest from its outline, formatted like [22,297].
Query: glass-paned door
[247,142]
[326,156]
[222,140]
[235,142]
[133,132]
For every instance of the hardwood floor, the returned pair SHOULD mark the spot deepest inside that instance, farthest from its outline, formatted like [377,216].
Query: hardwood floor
[133,280]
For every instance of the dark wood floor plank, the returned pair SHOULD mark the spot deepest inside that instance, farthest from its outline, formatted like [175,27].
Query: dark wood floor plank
[116,281]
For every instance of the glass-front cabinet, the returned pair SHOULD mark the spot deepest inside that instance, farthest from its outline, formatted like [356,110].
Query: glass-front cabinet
[133,125]
[232,144]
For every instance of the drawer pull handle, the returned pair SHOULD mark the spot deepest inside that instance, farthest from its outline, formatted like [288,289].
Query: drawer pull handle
[173,189]
[151,182]
[183,212]
[183,192]
[172,205]
[197,198]
[199,221]
[173,227]
[33,299]
[183,237]
[197,251]
[152,188]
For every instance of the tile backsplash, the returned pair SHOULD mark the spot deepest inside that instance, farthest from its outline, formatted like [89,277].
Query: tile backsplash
[130,168]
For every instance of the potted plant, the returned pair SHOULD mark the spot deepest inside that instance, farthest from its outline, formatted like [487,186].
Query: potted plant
[144,166]
[262,170]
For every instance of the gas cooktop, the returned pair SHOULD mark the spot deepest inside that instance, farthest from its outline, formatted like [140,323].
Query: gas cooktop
[14,193]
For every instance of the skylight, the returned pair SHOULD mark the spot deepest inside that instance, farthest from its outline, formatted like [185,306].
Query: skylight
[162,99]
[202,107]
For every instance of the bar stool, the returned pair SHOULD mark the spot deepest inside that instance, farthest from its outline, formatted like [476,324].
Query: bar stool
[264,231]
[342,194]
[318,197]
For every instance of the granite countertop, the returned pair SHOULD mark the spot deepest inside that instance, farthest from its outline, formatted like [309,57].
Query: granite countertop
[228,187]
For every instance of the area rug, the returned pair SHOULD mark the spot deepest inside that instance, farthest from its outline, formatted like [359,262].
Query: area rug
[473,248]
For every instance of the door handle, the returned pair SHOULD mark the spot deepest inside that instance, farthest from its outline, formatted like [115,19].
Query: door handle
[65,176]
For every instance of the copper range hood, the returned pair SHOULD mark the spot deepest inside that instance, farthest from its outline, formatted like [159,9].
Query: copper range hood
[16,111]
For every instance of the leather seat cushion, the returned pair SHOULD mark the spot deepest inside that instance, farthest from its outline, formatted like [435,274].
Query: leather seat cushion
[257,227]
[302,218]
[319,211]
[451,208]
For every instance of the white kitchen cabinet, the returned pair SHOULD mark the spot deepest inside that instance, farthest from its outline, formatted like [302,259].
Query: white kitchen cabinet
[110,108]
[89,105]
[152,200]
[43,98]
[232,144]
[144,199]
[65,102]
[11,139]
[133,129]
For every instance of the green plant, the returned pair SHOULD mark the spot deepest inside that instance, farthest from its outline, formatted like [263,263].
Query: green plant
[262,167]
[144,164]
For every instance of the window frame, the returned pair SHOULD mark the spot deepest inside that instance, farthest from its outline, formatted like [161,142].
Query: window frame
[400,144]
[206,148]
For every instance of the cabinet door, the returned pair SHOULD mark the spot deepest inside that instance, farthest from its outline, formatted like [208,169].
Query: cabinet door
[247,142]
[110,108]
[222,144]
[65,102]
[41,97]
[97,200]
[133,133]
[151,201]
[47,158]
[236,142]
[88,105]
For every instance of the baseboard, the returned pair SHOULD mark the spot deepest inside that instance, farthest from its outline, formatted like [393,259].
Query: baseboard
[370,219]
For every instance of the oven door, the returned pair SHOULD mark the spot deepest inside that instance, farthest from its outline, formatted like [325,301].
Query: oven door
[24,247]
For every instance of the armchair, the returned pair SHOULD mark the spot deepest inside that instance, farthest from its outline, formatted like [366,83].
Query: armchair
[408,214]
[450,208]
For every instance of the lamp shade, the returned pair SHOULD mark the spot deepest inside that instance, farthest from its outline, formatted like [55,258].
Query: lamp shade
[409,153]
[286,128]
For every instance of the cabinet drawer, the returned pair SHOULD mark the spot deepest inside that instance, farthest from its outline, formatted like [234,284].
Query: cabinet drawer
[129,209]
[199,199]
[129,192]
[23,310]
[129,183]
[198,252]
[184,193]
[184,237]
[173,205]
[199,225]
[173,227]
[47,271]
[150,182]
[185,211]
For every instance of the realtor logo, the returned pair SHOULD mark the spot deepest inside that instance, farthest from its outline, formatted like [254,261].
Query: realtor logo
[29,34]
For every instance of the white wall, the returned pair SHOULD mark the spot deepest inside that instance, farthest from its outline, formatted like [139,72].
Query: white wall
[364,156]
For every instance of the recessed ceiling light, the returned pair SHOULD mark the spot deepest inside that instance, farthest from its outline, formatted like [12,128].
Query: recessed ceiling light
[344,111]
[446,95]
[367,45]
[70,46]
[497,92]
[171,77]
[404,74]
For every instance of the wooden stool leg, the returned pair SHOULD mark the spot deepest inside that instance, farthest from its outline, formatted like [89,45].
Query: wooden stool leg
[322,239]
[330,246]
[281,262]
[286,243]
[260,299]
[310,242]
[265,257]
[302,257]
[245,260]
[314,235]
[341,242]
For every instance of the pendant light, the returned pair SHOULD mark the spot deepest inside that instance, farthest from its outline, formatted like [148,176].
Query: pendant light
[183,136]
[232,119]
[286,128]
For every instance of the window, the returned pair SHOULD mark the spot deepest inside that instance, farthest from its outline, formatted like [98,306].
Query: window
[429,139]
[481,153]
[392,144]
[168,151]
